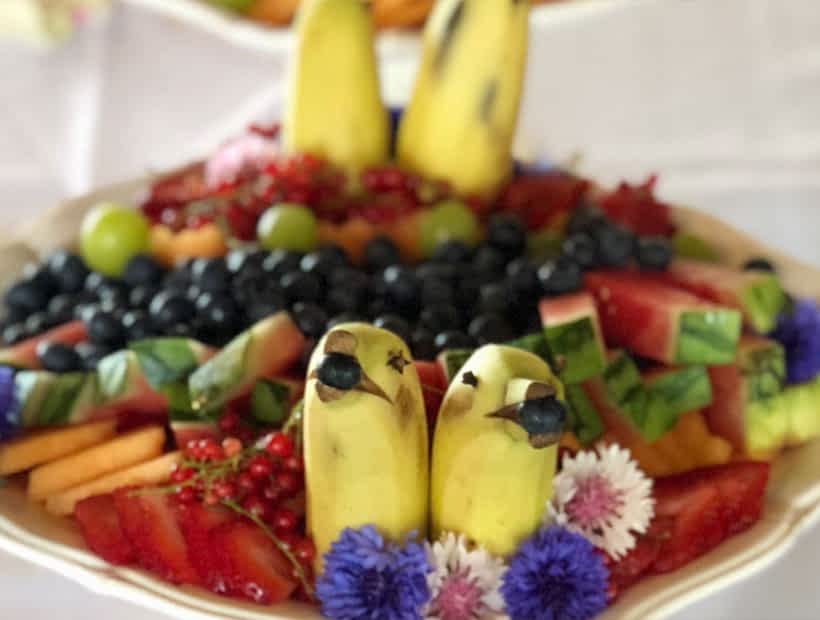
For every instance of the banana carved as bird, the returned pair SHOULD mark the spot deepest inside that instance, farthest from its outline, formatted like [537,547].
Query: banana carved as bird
[365,437]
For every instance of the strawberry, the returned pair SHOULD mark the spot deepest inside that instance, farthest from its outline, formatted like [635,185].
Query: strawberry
[630,568]
[100,527]
[197,523]
[637,208]
[150,523]
[696,511]
[253,567]
[433,387]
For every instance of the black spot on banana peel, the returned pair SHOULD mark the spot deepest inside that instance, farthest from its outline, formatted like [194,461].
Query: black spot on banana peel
[397,361]
[468,378]
[450,30]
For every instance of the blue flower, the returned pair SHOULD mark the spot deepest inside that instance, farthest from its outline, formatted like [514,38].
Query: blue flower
[799,333]
[366,578]
[555,575]
[9,407]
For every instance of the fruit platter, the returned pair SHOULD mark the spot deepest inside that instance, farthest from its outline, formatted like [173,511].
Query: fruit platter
[366,364]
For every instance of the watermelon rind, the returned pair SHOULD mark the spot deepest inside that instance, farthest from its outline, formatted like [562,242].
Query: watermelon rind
[707,336]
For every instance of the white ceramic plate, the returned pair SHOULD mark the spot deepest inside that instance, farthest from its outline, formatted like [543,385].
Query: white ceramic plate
[261,38]
[792,504]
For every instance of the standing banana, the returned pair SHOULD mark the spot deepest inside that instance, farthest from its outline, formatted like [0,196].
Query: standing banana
[365,437]
[460,122]
[494,450]
[334,107]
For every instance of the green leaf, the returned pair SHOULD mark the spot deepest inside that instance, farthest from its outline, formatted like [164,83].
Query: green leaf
[179,402]
[112,373]
[164,360]
[269,402]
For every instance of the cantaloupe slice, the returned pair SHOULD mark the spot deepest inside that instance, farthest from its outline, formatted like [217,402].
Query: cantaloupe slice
[154,472]
[114,455]
[43,447]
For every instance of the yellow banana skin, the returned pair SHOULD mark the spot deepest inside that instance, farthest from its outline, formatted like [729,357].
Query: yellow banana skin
[366,456]
[334,107]
[487,481]
[461,119]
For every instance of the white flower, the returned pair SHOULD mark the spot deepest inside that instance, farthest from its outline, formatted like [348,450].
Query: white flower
[603,496]
[464,583]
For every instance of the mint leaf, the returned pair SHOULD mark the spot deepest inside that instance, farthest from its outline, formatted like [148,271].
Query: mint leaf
[164,360]
[269,402]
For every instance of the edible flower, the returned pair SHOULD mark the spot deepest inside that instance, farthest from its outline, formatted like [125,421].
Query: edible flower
[464,583]
[9,409]
[367,578]
[799,332]
[555,575]
[603,496]
[248,153]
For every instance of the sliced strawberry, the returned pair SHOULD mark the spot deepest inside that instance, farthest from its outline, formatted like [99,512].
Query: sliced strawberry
[101,529]
[637,208]
[251,565]
[433,387]
[150,523]
[630,568]
[197,523]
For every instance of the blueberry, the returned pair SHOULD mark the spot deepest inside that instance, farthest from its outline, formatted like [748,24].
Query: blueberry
[61,308]
[486,328]
[522,280]
[452,252]
[333,254]
[302,286]
[560,276]
[377,307]
[169,308]
[58,357]
[340,371]
[180,330]
[177,280]
[42,276]
[219,318]
[395,324]
[238,261]
[14,315]
[615,245]
[437,292]
[438,271]
[507,234]
[37,323]
[142,270]
[141,296]
[211,274]
[440,318]
[137,325]
[68,270]
[344,317]
[105,329]
[580,248]
[467,291]
[311,319]
[380,253]
[91,354]
[93,281]
[759,264]
[349,278]
[262,309]
[585,219]
[489,261]
[322,262]
[542,416]
[84,311]
[403,288]
[423,343]
[27,296]
[453,339]
[14,333]
[343,300]
[653,253]
[114,292]
[280,262]
[494,298]
[260,289]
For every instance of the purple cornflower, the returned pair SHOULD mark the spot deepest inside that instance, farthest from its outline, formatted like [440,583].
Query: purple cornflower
[799,333]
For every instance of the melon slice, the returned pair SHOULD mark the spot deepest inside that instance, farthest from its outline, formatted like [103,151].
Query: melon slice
[661,322]
[573,334]
[264,351]
[48,399]
[757,294]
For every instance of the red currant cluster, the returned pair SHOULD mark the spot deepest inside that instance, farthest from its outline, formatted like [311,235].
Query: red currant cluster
[263,481]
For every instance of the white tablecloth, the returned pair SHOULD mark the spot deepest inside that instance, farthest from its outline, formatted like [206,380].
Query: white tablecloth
[721,98]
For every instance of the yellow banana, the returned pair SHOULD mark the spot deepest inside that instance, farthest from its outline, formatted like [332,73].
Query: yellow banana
[334,107]
[365,437]
[494,450]
[460,122]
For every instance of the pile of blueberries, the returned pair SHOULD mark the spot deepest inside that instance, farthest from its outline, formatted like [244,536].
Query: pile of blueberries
[461,297]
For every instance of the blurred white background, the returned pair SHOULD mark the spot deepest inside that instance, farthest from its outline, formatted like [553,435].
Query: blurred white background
[721,98]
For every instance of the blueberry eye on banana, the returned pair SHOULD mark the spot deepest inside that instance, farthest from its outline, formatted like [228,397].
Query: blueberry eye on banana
[339,371]
[539,413]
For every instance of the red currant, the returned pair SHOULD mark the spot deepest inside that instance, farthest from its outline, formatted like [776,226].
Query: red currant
[214,452]
[224,489]
[181,474]
[288,483]
[256,506]
[231,446]
[229,421]
[272,492]
[294,464]
[186,495]
[305,551]
[280,445]
[246,482]
[260,467]
[283,520]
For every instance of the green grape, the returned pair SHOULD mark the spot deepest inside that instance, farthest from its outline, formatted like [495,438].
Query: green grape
[446,221]
[288,227]
[111,235]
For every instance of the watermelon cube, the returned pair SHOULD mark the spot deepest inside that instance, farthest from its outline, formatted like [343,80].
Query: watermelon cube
[48,399]
[658,321]
[573,334]
[671,392]
[583,420]
[757,294]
